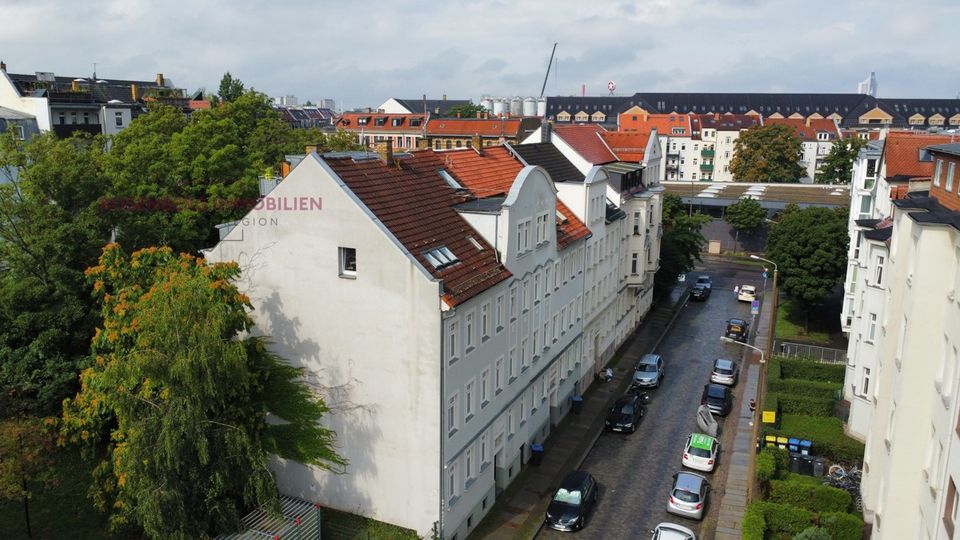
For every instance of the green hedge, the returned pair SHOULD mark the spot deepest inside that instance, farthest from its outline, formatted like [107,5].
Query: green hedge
[800,479]
[805,368]
[802,387]
[766,468]
[826,434]
[754,526]
[809,406]
[774,372]
[813,498]
[784,518]
[813,533]
[842,526]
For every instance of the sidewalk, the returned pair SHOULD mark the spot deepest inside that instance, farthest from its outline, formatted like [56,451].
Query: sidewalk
[734,500]
[520,509]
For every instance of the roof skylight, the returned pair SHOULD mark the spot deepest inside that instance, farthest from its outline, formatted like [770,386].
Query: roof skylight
[441,257]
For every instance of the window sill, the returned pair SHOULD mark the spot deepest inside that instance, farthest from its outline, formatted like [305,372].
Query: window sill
[453,361]
[524,369]
[469,350]
[468,418]
[513,318]
[452,433]
[348,276]
[484,466]
[535,358]
[523,423]
[511,381]
[946,399]
[452,502]
[484,339]
[498,392]
[485,403]
[470,482]
[536,302]
[499,329]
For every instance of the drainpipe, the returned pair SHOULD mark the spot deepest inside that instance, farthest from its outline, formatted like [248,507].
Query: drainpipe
[443,461]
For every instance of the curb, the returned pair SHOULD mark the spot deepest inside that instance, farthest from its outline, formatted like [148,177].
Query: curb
[677,309]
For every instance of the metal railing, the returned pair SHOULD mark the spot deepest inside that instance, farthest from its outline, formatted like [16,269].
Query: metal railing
[824,355]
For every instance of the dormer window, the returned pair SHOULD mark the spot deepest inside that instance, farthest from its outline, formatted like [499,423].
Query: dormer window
[363,121]
[441,257]
[396,122]
[381,120]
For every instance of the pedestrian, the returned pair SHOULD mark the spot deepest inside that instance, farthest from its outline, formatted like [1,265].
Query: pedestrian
[736,289]
[609,374]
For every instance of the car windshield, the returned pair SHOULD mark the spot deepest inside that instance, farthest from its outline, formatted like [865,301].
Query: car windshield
[567,497]
[699,452]
[647,368]
[703,280]
[686,496]
[723,371]
[716,392]
[625,409]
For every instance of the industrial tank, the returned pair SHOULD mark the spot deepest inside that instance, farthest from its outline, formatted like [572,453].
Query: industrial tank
[529,107]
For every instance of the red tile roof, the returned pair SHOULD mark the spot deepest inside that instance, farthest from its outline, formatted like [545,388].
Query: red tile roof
[586,140]
[492,127]
[493,174]
[901,153]
[664,123]
[807,131]
[352,122]
[627,146]
[416,206]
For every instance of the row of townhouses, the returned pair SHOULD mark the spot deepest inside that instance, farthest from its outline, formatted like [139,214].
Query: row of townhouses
[450,305]
[902,316]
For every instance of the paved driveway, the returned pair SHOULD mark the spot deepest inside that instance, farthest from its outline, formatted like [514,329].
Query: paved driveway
[634,471]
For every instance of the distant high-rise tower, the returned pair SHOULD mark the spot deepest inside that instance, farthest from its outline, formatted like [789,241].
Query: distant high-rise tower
[868,86]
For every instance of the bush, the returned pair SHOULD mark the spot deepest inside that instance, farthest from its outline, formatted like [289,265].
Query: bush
[811,497]
[826,434]
[766,468]
[842,526]
[801,368]
[784,518]
[774,372]
[813,533]
[802,387]
[800,479]
[809,406]
[754,526]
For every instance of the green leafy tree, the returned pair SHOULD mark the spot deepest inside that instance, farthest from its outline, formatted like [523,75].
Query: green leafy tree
[680,244]
[230,88]
[810,247]
[768,153]
[51,228]
[27,447]
[177,396]
[745,215]
[837,165]
[338,141]
[466,110]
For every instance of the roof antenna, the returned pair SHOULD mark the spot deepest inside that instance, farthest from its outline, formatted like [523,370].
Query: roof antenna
[94,71]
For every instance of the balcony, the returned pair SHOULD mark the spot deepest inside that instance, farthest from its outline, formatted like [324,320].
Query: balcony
[708,153]
[673,153]
[672,166]
[64,131]
[706,167]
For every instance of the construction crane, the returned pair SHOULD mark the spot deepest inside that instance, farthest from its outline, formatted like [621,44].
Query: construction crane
[547,76]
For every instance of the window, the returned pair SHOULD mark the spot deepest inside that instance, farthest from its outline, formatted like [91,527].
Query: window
[468,323]
[452,414]
[636,223]
[485,321]
[513,302]
[510,423]
[546,280]
[499,314]
[498,374]
[866,204]
[872,328]
[484,387]
[440,257]
[878,274]
[634,262]
[951,168]
[865,382]
[871,168]
[950,508]
[348,262]
[452,482]
[118,118]
[525,294]
[18,132]
[536,287]
[452,342]
[512,363]
[468,467]
[523,353]
[483,448]
[468,395]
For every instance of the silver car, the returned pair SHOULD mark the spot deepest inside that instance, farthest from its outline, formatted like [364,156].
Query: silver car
[672,531]
[724,372]
[688,497]
[649,371]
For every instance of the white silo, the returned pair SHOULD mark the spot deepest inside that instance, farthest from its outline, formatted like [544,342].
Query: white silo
[542,107]
[529,106]
[487,103]
[516,107]
[499,107]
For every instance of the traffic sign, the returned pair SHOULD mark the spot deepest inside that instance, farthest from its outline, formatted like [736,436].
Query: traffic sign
[765,275]
[755,307]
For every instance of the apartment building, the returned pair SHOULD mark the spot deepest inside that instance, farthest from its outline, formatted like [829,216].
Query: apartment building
[438,301]
[912,459]
[456,133]
[403,130]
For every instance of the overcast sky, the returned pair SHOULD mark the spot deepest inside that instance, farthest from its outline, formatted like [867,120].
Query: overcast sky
[362,52]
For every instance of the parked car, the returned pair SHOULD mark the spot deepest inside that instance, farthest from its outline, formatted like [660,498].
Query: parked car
[672,531]
[701,452]
[725,372]
[688,497]
[748,293]
[573,500]
[738,329]
[700,292]
[625,414]
[704,280]
[718,397]
[649,371]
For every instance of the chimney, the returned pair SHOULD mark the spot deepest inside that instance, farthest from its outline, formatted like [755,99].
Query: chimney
[134,93]
[159,79]
[311,148]
[808,121]
[74,86]
[478,115]
[546,129]
[477,143]
[458,115]
[423,144]
[3,66]
[385,151]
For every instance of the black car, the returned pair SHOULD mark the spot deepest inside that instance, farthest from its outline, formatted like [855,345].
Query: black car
[625,413]
[700,292]
[718,397]
[737,329]
[571,503]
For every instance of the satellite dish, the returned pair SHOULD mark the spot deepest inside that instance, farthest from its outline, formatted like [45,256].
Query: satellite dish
[611,86]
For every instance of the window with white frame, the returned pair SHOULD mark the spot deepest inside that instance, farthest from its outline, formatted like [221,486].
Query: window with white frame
[878,271]
[469,394]
[513,302]
[18,132]
[634,263]
[872,328]
[484,448]
[468,326]
[484,387]
[499,313]
[948,185]
[485,321]
[523,354]
[512,361]
[536,287]
[525,294]
[452,413]
[468,464]
[452,342]
[937,172]
[510,426]
[348,262]
[865,382]
[498,374]
[536,341]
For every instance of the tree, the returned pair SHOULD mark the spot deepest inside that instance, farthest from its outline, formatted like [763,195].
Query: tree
[680,244]
[466,110]
[745,215]
[837,165]
[230,88]
[768,153]
[177,397]
[27,447]
[813,533]
[51,228]
[810,247]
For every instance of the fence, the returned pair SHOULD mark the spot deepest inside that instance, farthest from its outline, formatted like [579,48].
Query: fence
[297,519]
[818,354]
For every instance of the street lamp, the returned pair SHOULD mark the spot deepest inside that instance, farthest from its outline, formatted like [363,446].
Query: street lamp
[773,316]
[725,339]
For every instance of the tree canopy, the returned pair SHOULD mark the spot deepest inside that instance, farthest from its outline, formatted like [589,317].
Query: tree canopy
[680,244]
[27,447]
[177,396]
[466,110]
[768,153]
[230,88]
[837,165]
[810,247]
[745,216]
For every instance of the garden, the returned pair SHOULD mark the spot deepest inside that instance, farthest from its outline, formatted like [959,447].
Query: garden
[803,395]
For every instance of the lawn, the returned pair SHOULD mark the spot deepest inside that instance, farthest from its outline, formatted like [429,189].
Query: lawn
[61,511]
[790,323]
